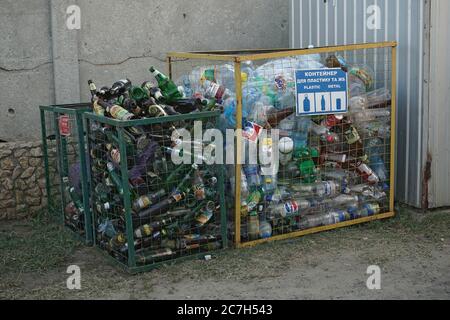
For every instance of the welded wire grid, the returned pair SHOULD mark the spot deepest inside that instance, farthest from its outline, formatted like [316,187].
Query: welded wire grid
[66,198]
[148,208]
[53,191]
[333,168]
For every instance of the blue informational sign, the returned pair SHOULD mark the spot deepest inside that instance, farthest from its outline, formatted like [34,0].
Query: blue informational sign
[321,91]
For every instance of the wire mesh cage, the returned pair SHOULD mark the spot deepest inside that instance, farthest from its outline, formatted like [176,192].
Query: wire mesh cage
[67,181]
[302,164]
[156,198]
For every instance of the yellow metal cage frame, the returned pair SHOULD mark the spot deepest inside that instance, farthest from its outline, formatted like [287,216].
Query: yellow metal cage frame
[238,56]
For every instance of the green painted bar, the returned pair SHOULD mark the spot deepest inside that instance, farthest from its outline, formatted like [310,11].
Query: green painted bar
[126,199]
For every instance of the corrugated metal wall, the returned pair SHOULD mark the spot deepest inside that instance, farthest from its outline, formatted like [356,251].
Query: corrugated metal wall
[337,22]
[438,90]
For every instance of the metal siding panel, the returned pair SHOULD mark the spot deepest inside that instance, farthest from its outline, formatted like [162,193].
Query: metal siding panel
[415,127]
[306,18]
[402,20]
[439,106]
[341,11]
[293,28]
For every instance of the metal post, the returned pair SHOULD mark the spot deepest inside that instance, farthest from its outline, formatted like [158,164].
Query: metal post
[46,162]
[237,204]
[60,165]
[84,178]
[393,125]
[126,198]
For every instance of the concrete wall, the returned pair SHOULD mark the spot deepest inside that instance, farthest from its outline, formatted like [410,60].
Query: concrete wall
[43,62]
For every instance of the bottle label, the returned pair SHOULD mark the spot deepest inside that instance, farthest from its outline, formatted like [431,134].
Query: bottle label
[144,202]
[177,197]
[147,230]
[372,209]
[215,91]
[281,83]
[119,113]
[98,110]
[199,192]
[115,155]
[291,207]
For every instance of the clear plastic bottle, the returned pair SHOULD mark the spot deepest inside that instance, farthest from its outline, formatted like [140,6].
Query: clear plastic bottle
[244,185]
[375,147]
[319,189]
[340,201]
[290,208]
[252,173]
[300,135]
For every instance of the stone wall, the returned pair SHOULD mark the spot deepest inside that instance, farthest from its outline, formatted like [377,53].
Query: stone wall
[22,178]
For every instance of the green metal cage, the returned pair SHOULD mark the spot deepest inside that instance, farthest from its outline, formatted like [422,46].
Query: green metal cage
[148,209]
[67,180]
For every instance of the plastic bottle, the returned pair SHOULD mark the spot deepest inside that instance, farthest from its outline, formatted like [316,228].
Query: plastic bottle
[340,201]
[216,91]
[324,133]
[320,189]
[253,226]
[265,229]
[290,208]
[229,106]
[300,135]
[375,147]
[286,150]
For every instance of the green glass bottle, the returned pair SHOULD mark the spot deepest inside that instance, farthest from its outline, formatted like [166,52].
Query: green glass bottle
[154,256]
[116,111]
[198,185]
[168,88]
[75,198]
[139,93]
[117,242]
[147,200]
[115,178]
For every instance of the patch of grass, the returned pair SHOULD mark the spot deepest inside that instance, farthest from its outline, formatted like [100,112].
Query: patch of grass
[35,245]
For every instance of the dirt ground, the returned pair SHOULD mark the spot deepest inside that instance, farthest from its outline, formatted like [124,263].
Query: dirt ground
[412,250]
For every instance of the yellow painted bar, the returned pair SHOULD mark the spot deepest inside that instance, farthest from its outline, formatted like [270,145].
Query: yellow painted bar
[222,55]
[316,230]
[237,187]
[393,125]
[169,66]
[283,54]
[240,52]
[199,56]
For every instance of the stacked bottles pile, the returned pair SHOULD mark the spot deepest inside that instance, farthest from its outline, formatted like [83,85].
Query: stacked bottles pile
[331,168]
[125,101]
[173,209]
[74,213]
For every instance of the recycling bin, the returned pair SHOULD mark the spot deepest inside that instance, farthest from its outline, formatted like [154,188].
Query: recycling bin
[156,198]
[314,135]
[67,178]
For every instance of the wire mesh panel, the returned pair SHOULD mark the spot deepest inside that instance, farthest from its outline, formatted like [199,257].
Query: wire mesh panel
[295,174]
[156,196]
[67,181]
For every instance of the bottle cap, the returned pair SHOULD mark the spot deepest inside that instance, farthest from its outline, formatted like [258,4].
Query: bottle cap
[244,77]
